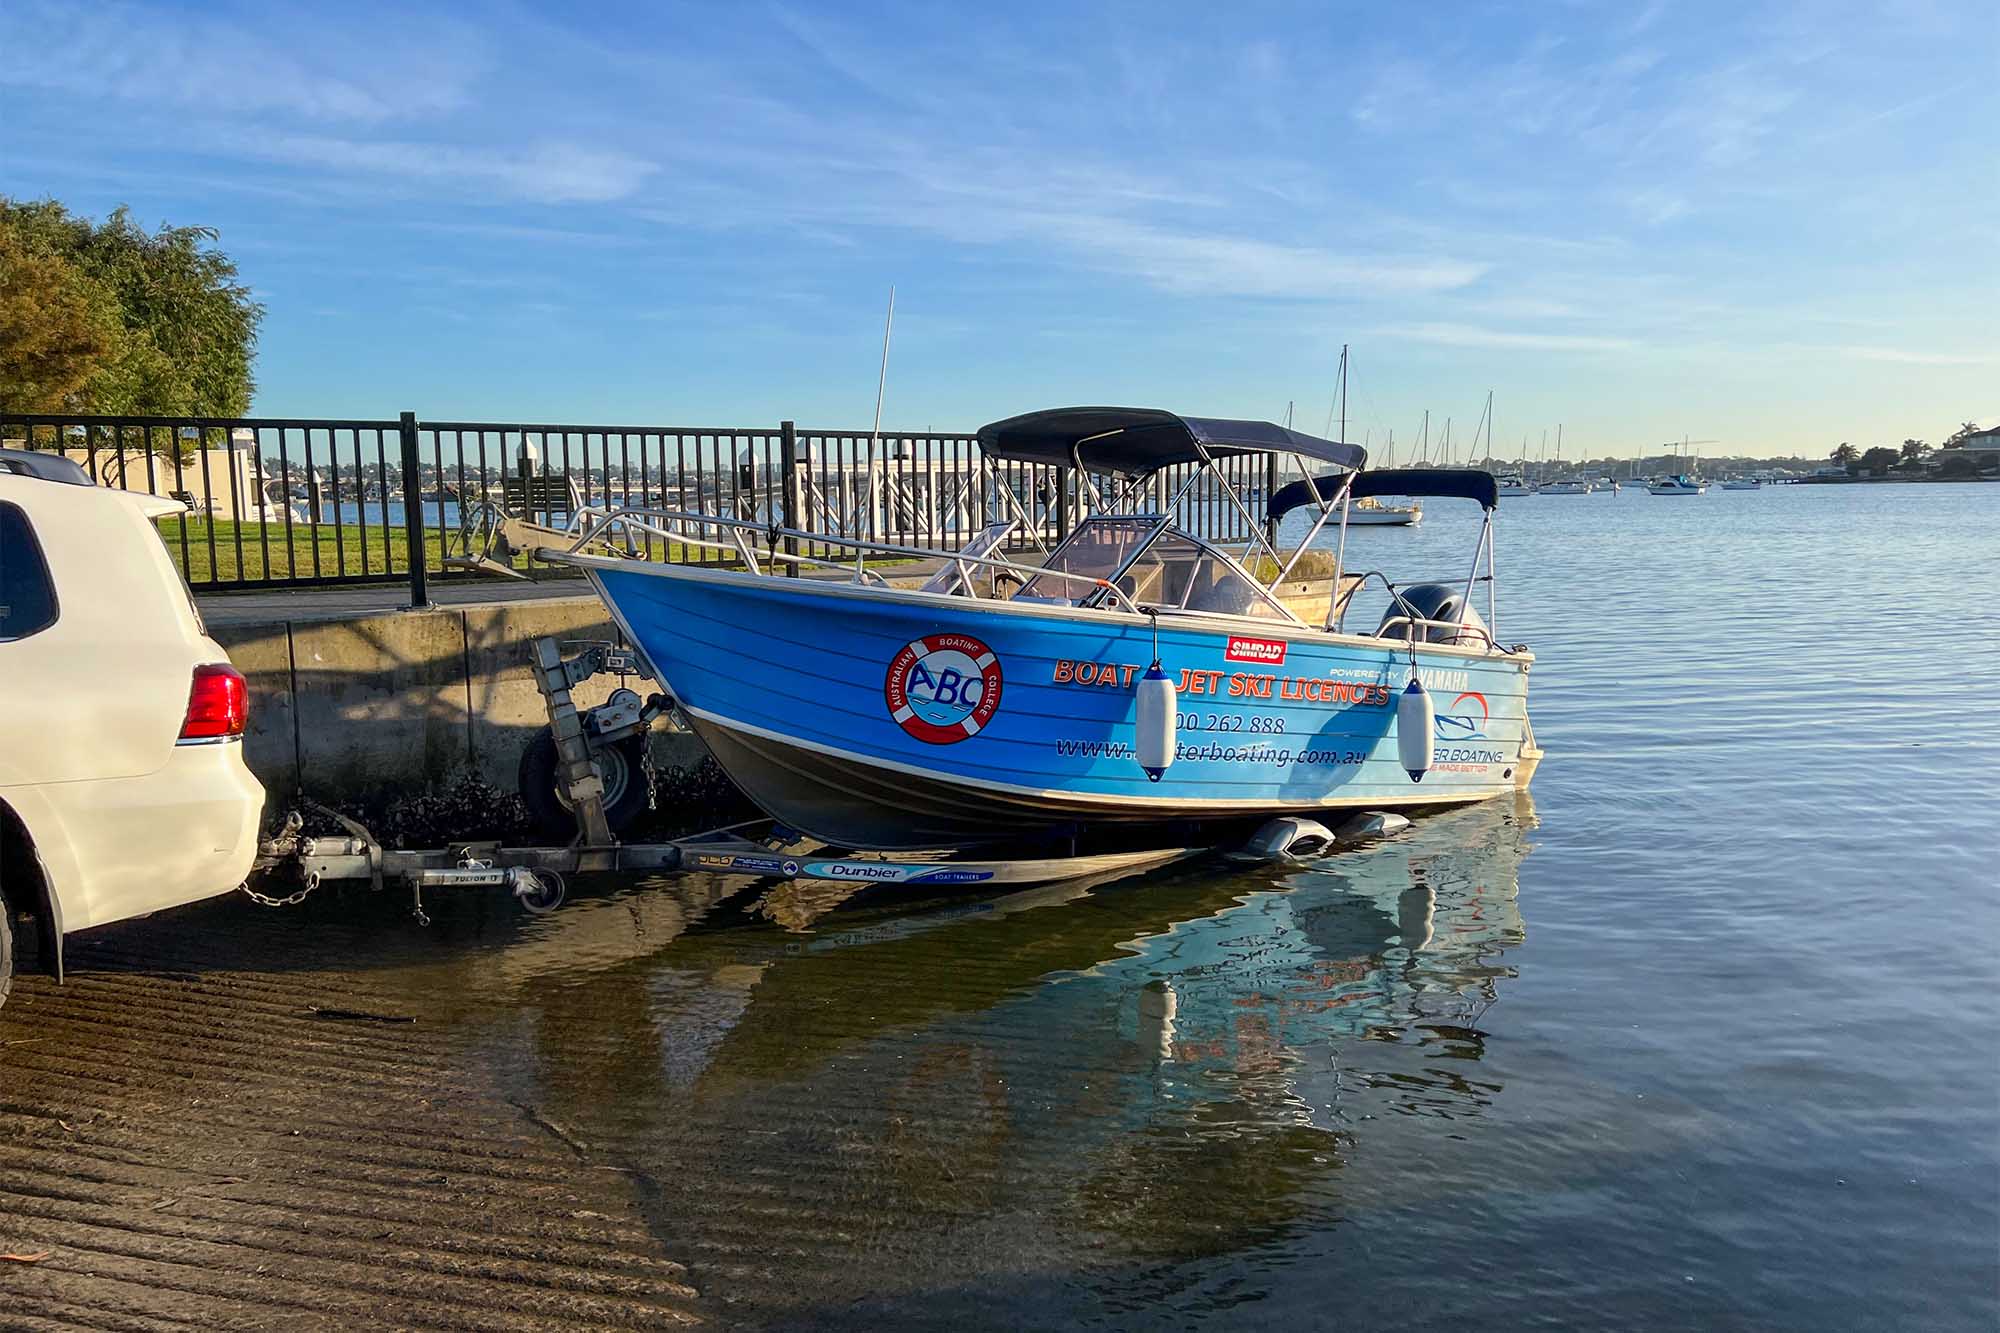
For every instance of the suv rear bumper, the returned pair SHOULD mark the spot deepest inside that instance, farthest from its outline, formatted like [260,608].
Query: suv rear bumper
[136,845]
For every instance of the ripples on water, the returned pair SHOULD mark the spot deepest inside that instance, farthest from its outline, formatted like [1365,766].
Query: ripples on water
[1703,1035]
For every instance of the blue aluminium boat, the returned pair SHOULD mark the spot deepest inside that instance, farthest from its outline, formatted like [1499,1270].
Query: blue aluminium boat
[1002,699]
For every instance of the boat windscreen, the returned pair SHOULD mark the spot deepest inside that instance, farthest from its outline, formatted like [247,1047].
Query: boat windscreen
[1174,573]
[1094,550]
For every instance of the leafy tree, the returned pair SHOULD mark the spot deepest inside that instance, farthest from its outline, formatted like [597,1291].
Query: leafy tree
[57,328]
[1915,451]
[1879,460]
[1964,429]
[1845,454]
[186,329]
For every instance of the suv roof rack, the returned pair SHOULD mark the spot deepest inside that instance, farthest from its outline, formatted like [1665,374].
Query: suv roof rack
[49,467]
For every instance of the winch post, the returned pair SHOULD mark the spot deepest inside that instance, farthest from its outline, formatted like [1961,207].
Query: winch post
[577,770]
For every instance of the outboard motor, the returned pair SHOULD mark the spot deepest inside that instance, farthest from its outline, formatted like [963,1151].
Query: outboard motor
[1432,601]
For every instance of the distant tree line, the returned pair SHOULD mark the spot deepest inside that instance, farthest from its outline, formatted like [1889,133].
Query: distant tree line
[1912,456]
[107,317]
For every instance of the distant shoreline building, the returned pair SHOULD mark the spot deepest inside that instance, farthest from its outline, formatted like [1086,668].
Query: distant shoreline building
[1982,447]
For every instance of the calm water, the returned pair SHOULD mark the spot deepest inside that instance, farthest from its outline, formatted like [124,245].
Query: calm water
[1706,1034]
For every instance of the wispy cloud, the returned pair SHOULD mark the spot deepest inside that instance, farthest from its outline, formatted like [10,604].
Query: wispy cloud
[1210,264]
[1655,205]
[549,171]
[1909,356]
[396,66]
[1469,335]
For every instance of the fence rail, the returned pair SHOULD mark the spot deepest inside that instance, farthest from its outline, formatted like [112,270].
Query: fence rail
[292,502]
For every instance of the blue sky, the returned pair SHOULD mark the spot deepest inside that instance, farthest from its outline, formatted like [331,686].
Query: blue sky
[1776,227]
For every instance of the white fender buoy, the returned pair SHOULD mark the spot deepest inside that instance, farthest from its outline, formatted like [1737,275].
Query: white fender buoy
[1416,724]
[1158,721]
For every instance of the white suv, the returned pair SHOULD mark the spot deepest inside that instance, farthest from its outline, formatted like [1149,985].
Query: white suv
[122,783]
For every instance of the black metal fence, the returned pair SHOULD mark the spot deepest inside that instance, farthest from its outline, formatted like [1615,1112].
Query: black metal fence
[285,502]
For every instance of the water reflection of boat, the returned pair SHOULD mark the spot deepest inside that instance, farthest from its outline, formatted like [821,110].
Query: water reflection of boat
[1174,1062]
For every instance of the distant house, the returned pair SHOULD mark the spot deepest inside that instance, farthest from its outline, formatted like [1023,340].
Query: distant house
[1982,447]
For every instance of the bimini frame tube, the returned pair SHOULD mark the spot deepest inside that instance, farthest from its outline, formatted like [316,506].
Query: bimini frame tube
[1325,513]
[1484,548]
[1256,528]
[1340,554]
[1492,582]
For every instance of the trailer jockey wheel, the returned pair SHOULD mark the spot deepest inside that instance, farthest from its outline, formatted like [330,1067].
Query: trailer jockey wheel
[621,764]
[546,895]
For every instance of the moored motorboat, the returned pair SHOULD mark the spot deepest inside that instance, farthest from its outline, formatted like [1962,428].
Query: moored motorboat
[1140,676]
[1743,484]
[1565,487]
[1678,484]
[1514,484]
[1373,513]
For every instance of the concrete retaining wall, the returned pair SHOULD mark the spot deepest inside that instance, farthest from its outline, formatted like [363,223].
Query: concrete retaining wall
[357,708]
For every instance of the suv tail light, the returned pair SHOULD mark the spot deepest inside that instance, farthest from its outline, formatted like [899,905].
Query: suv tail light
[218,705]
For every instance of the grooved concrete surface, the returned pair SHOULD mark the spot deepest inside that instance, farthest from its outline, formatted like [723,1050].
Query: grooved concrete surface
[216,1124]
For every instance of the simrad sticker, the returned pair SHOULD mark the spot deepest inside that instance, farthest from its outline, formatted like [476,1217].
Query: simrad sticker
[1270,652]
[943,688]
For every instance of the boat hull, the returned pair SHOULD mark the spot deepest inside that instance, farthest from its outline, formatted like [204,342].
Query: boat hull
[891,719]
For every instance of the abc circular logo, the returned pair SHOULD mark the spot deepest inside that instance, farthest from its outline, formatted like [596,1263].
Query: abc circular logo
[943,687]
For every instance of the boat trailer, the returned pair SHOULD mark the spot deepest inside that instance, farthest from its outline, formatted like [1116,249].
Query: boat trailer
[758,848]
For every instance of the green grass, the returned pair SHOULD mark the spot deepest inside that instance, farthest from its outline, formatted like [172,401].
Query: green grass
[265,555]
[341,551]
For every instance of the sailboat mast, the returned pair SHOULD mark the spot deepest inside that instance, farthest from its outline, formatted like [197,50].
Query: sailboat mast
[1343,393]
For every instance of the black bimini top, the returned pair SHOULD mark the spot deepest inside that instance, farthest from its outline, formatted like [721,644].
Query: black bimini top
[1133,441]
[1460,483]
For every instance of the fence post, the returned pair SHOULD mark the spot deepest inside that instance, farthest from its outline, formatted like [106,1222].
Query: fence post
[791,501]
[1062,504]
[413,513]
[1270,489]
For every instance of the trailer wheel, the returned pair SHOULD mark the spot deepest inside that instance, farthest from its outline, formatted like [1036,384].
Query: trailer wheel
[622,765]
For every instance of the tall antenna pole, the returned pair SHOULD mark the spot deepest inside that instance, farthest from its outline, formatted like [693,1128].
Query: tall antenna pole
[875,435]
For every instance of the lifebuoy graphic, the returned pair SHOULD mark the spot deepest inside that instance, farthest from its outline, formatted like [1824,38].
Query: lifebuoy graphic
[943,688]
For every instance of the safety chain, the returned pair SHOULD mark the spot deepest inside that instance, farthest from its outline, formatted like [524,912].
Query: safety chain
[651,774]
[289,900]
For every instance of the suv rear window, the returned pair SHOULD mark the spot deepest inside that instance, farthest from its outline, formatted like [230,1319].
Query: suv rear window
[27,594]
